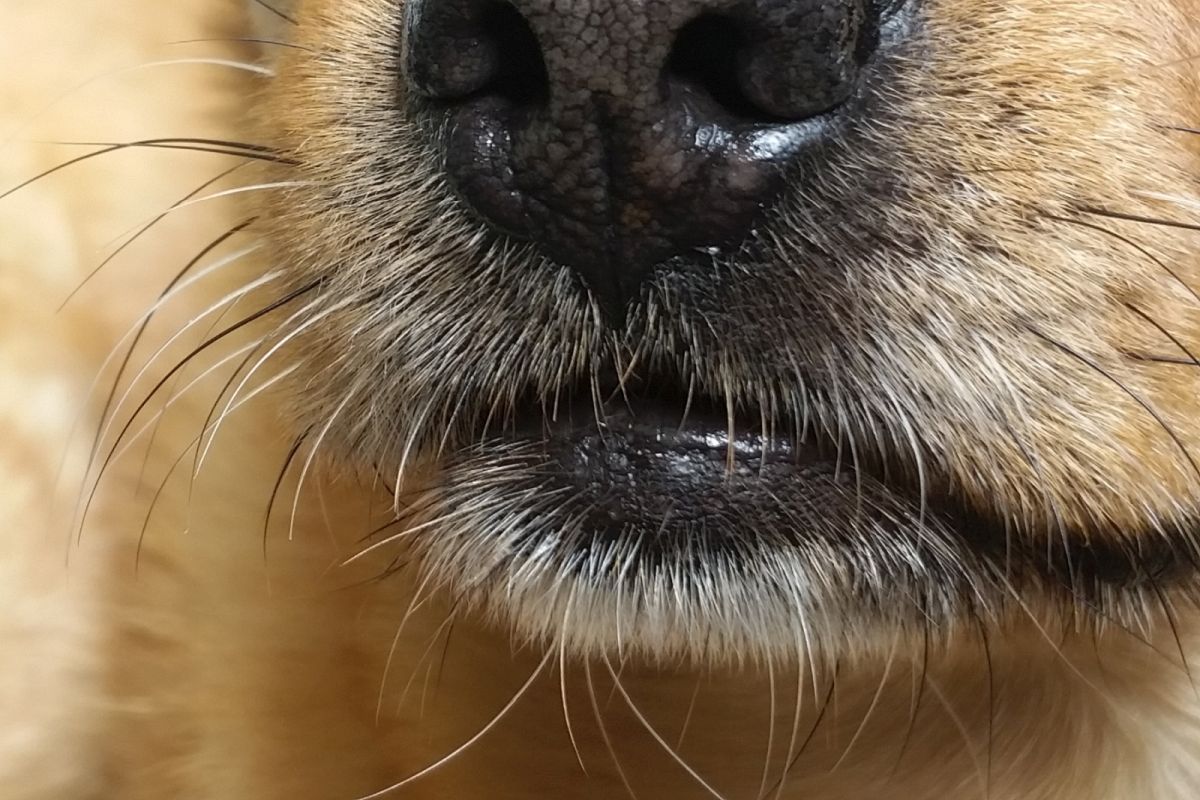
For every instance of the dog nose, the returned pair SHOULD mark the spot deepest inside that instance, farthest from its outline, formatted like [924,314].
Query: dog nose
[620,135]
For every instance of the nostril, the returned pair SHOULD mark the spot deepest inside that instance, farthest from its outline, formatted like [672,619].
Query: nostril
[469,48]
[779,62]
[705,57]
[521,75]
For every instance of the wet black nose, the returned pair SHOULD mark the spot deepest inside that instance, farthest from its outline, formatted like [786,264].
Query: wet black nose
[618,134]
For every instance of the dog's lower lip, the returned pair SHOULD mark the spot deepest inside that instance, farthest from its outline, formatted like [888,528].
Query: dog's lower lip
[640,462]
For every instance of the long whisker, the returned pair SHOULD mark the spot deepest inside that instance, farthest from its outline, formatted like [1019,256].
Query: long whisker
[279,479]
[1146,406]
[244,40]
[516,698]
[272,9]
[170,471]
[177,284]
[208,198]
[91,495]
[255,152]
[562,684]
[1167,223]
[663,743]
[413,605]
[862,725]
[1174,339]
[120,249]
[608,743]
[1129,242]
[112,413]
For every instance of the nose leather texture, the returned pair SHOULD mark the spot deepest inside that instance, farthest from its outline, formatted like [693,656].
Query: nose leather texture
[662,127]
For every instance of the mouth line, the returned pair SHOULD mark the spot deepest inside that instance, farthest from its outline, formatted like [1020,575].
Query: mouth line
[648,459]
[675,469]
[626,508]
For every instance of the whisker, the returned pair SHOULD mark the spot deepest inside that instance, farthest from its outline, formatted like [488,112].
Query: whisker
[176,285]
[772,706]
[195,145]
[297,443]
[231,63]
[963,731]
[91,495]
[826,702]
[663,743]
[131,441]
[1174,339]
[272,9]
[108,259]
[413,605]
[918,695]
[165,141]
[173,289]
[1146,406]
[109,420]
[503,712]
[1167,223]
[562,684]
[308,462]
[1190,203]
[256,187]
[604,735]
[862,725]
[249,375]
[244,40]
[162,486]
[1127,241]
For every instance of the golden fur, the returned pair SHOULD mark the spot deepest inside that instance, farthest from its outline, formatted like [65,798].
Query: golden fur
[164,636]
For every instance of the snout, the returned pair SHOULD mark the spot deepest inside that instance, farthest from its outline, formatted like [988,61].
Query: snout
[620,135]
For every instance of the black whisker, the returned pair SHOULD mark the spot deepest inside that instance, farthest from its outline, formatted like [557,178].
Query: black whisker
[175,370]
[112,394]
[991,703]
[208,418]
[147,227]
[1149,409]
[285,17]
[1126,240]
[167,140]
[215,146]
[214,244]
[826,702]
[1155,359]
[245,40]
[1174,339]
[283,471]
[915,708]
[1166,223]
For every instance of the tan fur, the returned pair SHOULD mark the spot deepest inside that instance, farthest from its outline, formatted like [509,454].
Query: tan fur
[185,663]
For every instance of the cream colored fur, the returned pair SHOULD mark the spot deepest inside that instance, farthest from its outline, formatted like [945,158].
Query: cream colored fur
[201,669]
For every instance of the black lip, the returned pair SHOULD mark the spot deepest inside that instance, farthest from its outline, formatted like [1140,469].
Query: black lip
[641,467]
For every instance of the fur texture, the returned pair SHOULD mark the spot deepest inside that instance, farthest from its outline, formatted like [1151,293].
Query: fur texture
[996,307]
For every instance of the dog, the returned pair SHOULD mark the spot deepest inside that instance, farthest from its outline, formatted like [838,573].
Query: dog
[677,399]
